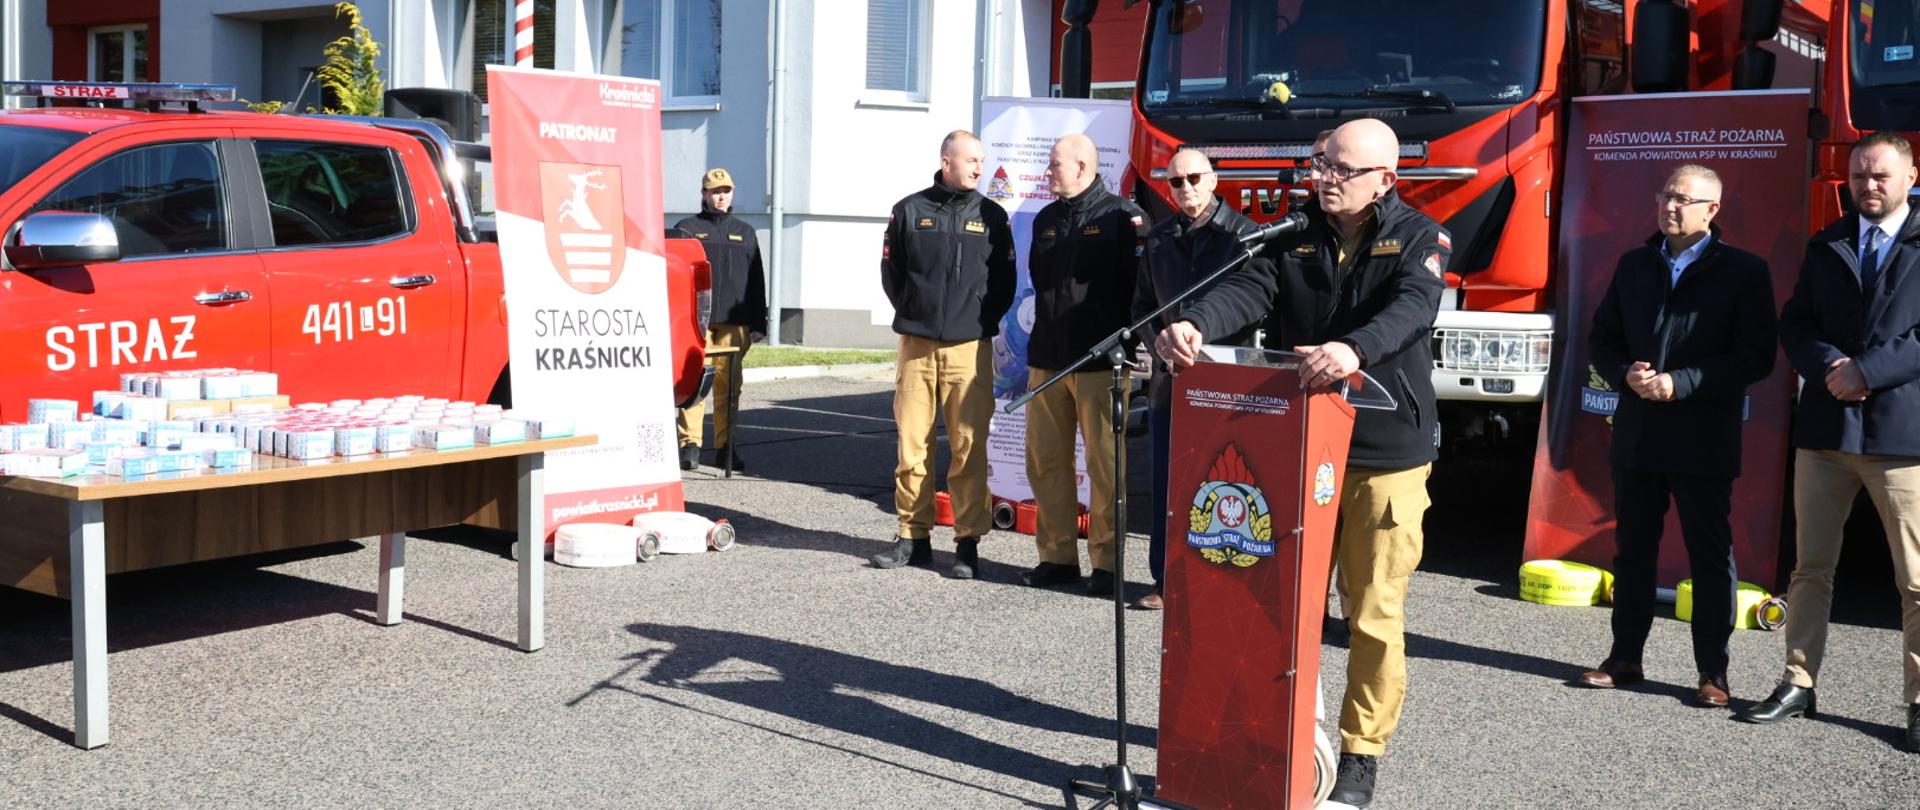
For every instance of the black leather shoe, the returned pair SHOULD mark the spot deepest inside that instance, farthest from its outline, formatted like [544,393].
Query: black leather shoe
[725,452]
[1353,786]
[1049,574]
[1102,583]
[1786,701]
[689,456]
[904,552]
[966,557]
[1334,631]
[1913,728]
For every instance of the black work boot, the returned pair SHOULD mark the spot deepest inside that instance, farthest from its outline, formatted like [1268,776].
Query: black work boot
[904,552]
[1354,784]
[966,557]
[689,456]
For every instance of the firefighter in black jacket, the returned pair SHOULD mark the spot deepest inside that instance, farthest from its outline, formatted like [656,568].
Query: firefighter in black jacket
[1088,247]
[1358,289]
[948,268]
[739,317]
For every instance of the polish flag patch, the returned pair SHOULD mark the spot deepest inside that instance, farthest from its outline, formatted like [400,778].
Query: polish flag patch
[1446,242]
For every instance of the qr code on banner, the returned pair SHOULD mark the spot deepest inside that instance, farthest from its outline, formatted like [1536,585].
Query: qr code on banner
[655,442]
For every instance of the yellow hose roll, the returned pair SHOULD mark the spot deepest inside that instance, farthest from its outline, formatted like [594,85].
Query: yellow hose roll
[1747,600]
[1562,583]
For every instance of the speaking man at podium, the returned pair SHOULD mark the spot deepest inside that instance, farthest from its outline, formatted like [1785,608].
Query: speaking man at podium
[1358,288]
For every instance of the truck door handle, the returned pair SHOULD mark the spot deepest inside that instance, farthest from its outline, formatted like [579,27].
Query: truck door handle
[214,299]
[410,282]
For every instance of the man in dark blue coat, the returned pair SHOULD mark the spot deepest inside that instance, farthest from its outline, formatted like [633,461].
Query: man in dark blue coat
[1852,330]
[1686,325]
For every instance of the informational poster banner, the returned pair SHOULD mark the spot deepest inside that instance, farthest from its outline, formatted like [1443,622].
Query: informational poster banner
[1620,151]
[576,161]
[1018,134]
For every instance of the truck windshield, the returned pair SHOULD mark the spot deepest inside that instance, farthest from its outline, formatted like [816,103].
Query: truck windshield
[23,149]
[1308,59]
[1885,71]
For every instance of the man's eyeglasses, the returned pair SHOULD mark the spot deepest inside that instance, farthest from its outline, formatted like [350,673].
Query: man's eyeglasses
[1341,174]
[1668,198]
[1184,180]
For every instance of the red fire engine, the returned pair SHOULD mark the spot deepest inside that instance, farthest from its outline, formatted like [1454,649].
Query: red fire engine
[347,255]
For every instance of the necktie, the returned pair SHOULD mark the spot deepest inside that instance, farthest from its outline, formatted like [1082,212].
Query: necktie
[1870,259]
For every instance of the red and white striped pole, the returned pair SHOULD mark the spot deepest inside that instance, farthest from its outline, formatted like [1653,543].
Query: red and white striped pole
[523,33]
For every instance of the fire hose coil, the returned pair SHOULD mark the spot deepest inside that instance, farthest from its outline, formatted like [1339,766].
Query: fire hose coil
[1754,608]
[1562,583]
[595,545]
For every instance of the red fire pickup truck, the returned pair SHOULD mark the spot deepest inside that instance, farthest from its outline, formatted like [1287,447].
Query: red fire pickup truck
[347,255]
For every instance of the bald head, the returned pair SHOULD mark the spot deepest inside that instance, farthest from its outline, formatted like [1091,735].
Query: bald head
[1362,156]
[961,158]
[1072,166]
[1190,181]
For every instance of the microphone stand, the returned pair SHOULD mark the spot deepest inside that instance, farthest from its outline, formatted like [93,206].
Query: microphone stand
[1121,790]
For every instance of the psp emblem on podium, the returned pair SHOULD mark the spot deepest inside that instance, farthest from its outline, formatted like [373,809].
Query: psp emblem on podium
[1323,489]
[1230,522]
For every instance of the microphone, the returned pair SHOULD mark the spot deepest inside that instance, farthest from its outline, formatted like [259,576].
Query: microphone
[1293,222]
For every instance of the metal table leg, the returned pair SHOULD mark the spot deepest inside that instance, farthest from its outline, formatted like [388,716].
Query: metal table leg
[87,581]
[533,532]
[393,577]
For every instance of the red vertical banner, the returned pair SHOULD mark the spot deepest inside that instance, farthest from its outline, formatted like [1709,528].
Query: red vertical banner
[1254,487]
[1620,151]
[577,187]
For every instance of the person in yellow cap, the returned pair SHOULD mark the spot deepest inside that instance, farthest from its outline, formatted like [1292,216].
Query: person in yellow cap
[739,316]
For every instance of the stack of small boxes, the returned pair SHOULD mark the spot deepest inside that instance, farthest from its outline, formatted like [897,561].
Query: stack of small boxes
[220,418]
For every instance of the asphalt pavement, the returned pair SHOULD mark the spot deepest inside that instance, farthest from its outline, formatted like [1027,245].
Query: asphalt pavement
[787,673]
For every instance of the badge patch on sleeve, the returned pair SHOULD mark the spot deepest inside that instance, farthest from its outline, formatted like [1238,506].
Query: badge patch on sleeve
[976,226]
[1435,262]
[1446,242]
[923,224]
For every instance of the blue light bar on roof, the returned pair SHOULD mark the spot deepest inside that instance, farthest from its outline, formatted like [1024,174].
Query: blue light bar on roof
[107,91]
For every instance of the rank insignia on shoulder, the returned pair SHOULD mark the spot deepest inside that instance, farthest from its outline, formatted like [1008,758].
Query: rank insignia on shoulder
[1306,249]
[700,235]
[1049,233]
[976,226]
[923,224]
[1386,247]
[1090,230]
[734,237]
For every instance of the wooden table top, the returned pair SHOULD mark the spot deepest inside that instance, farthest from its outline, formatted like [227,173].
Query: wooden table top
[273,470]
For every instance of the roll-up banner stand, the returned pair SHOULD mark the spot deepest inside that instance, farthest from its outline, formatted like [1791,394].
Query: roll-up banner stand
[1018,134]
[1621,149]
[577,166]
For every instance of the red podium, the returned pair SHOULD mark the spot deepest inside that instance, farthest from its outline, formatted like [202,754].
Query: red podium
[1254,486]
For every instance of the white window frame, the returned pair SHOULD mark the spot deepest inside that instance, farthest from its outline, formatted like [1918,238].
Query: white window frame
[870,97]
[126,49]
[664,47]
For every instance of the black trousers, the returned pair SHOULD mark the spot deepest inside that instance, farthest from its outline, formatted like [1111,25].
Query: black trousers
[1640,500]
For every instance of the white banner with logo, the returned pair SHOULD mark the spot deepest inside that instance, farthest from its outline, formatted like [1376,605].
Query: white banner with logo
[1018,134]
[577,173]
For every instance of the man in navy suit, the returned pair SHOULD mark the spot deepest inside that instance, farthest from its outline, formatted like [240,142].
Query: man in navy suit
[1686,325]
[1852,330]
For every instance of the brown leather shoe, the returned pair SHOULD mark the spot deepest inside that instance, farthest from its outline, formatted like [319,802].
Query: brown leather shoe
[1610,675]
[1151,601]
[1713,692]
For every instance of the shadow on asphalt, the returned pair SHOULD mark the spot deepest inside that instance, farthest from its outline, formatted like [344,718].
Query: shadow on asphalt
[834,690]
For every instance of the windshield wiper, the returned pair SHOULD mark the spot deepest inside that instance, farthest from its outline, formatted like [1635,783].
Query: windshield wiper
[1262,104]
[1429,98]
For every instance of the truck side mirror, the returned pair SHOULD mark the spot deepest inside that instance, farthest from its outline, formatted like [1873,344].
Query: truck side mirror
[1660,47]
[1760,19]
[1076,48]
[62,239]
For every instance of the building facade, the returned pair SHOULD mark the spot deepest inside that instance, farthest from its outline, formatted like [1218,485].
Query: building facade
[867,90]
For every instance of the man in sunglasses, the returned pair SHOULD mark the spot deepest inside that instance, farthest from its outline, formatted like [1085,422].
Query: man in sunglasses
[1088,246]
[1685,326]
[1181,250]
[1358,288]
[947,265]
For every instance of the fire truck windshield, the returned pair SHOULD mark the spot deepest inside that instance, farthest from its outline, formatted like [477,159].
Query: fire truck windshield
[1885,69]
[1270,61]
[23,149]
